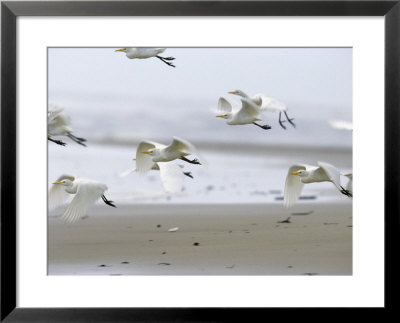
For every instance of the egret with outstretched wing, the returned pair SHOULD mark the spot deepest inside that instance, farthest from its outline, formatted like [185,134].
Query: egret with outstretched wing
[248,113]
[146,52]
[301,174]
[267,103]
[149,152]
[59,124]
[86,193]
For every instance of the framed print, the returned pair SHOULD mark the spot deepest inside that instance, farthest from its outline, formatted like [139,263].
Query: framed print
[219,219]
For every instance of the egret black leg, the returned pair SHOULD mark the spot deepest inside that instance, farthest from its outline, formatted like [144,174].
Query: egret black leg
[281,121]
[188,174]
[194,161]
[290,120]
[58,142]
[110,203]
[77,139]
[170,58]
[166,59]
[346,192]
[265,127]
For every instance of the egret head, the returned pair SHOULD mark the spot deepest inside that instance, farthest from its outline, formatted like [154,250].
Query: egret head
[238,92]
[65,182]
[120,50]
[349,175]
[300,172]
[148,152]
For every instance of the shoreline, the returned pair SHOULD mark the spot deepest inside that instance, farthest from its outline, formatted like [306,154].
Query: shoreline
[254,239]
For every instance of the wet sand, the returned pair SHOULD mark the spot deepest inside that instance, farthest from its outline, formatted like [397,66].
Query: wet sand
[211,239]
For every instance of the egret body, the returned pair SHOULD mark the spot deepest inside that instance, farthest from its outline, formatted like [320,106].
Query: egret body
[146,52]
[301,174]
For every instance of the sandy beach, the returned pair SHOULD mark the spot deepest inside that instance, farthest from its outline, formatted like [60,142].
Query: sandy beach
[209,239]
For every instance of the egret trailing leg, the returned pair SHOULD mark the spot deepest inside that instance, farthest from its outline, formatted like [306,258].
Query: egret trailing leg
[58,142]
[166,59]
[108,202]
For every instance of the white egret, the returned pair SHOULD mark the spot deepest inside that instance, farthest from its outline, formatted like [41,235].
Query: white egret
[267,103]
[171,175]
[59,124]
[146,52]
[349,186]
[301,174]
[341,125]
[149,152]
[86,191]
[248,114]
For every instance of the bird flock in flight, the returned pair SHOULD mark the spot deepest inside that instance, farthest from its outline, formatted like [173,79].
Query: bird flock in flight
[164,158]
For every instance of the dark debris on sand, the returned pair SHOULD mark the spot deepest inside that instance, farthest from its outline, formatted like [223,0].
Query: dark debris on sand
[285,221]
[302,213]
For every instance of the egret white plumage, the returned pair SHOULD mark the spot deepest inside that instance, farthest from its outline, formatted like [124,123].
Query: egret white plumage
[59,124]
[349,186]
[146,52]
[86,191]
[248,114]
[171,175]
[150,152]
[267,103]
[301,174]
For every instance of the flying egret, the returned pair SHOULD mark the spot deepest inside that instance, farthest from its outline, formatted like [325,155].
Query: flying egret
[301,174]
[86,191]
[247,114]
[349,186]
[267,103]
[146,52]
[171,175]
[150,152]
[341,125]
[59,124]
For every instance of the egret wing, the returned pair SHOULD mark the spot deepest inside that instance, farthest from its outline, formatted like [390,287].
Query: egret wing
[144,162]
[60,125]
[349,186]
[57,194]
[87,194]
[160,50]
[224,105]
[293,186]
[249,108]
[332,172]
[179,144]
[271,104]
[171,177]
[53,112]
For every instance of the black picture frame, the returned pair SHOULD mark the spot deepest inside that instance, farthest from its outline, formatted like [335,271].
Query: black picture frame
[10,10]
